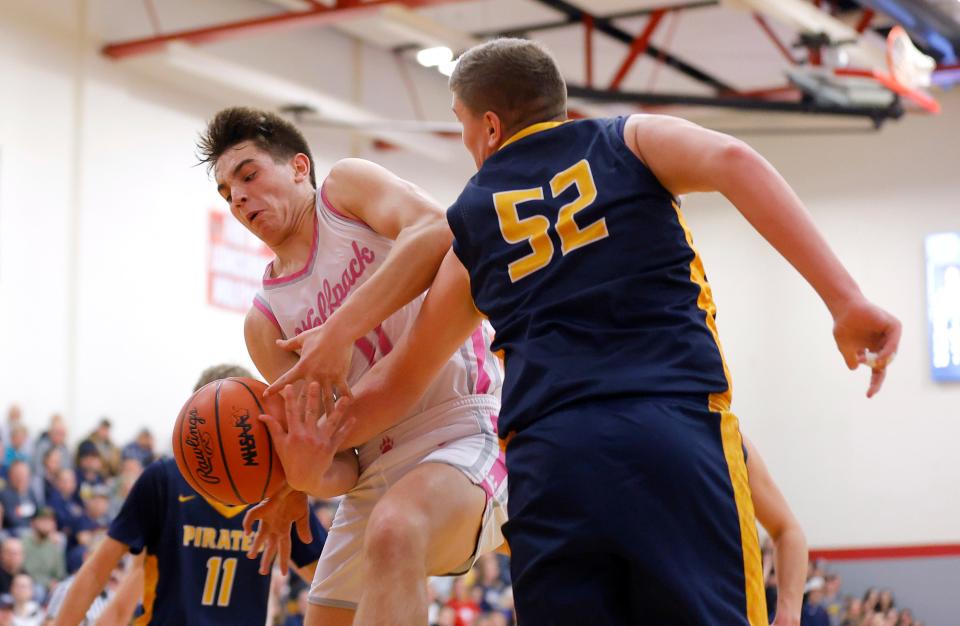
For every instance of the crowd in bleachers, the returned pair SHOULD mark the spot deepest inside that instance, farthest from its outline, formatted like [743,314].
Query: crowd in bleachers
[57,500]
[826,604]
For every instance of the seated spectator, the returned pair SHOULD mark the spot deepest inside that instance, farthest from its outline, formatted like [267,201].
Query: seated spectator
[140,449]
[26,610]
[64,503]
[831,598]
[465,607]
[130,470]
[19,502]
[90,469]
[813,613]
[44,552]
[885,602]
[490,583]
[55,439]
[852,612]
[11,562]
[109,454]
[18,446]
[43,482]
[14,417]
[91,525]
[906,618]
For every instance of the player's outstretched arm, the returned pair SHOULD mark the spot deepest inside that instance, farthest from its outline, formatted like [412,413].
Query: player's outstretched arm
[119,611]
[398,210]
[687,158]
[90,581]
[391,388]
[789,542]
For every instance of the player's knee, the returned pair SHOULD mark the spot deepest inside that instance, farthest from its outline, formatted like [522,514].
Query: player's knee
[395,534]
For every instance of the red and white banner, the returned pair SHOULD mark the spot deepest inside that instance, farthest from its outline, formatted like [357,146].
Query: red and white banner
[235,264]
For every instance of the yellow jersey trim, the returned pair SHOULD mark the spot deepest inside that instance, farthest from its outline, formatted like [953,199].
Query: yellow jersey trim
[732,449]
[151,575]
[530,130]
[226,510]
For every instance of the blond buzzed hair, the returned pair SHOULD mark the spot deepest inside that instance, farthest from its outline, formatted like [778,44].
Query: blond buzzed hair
[517,79]
[223,370]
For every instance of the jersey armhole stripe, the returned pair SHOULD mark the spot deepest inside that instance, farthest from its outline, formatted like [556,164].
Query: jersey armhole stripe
[264,307]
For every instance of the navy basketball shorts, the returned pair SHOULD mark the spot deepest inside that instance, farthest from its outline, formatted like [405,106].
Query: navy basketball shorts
[633,512]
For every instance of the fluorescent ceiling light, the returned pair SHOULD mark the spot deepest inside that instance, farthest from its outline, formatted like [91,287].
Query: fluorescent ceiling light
[447,68]
[429,57]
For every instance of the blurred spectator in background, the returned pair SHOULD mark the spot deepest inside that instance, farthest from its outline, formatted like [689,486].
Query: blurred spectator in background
[54,439]
[109,454]
[813,613]
[831,598]
[64,504]
[490,583]
[852,612]
[26,609]
[130,470]
[906,618]
[44,481]
[140,449]
[463,604]
[44,550]
[14,417]
[19,502]
[18,446]
[90,469]
[885,602]
[11,562]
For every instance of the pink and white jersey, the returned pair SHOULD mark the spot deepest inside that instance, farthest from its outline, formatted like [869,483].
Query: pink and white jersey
[344,254]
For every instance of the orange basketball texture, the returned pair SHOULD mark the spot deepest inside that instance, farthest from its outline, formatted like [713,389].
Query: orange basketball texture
[221,447]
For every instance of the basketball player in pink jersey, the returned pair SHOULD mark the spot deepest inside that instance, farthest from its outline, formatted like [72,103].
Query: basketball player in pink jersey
[353,257]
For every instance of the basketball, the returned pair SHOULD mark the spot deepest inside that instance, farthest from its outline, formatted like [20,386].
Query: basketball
[221,447]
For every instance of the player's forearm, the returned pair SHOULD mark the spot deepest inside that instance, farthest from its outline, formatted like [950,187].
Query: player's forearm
[771,206]
[88,583]
[408,271]
[790,549]
[392,387]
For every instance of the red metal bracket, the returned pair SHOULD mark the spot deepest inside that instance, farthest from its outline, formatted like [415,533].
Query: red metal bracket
[638,47]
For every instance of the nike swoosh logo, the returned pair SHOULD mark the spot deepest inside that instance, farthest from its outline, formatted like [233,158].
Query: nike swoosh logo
[185,498]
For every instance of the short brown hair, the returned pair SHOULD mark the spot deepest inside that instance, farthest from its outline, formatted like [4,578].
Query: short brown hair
[517,79]
[268,131]
[224,370]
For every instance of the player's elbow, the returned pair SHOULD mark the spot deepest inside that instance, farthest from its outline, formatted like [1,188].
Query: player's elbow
[735,164]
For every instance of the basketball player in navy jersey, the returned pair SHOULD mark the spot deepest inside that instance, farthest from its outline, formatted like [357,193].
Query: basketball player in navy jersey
[195,571]
[629,499]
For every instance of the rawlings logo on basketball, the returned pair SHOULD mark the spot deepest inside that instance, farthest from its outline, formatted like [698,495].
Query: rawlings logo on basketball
[248,444]
[330,297]
[202,448]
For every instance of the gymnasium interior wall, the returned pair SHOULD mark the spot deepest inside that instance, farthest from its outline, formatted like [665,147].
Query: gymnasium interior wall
[103,253]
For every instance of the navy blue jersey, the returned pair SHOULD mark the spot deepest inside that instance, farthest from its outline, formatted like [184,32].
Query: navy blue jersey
[582,262]
[196,572]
